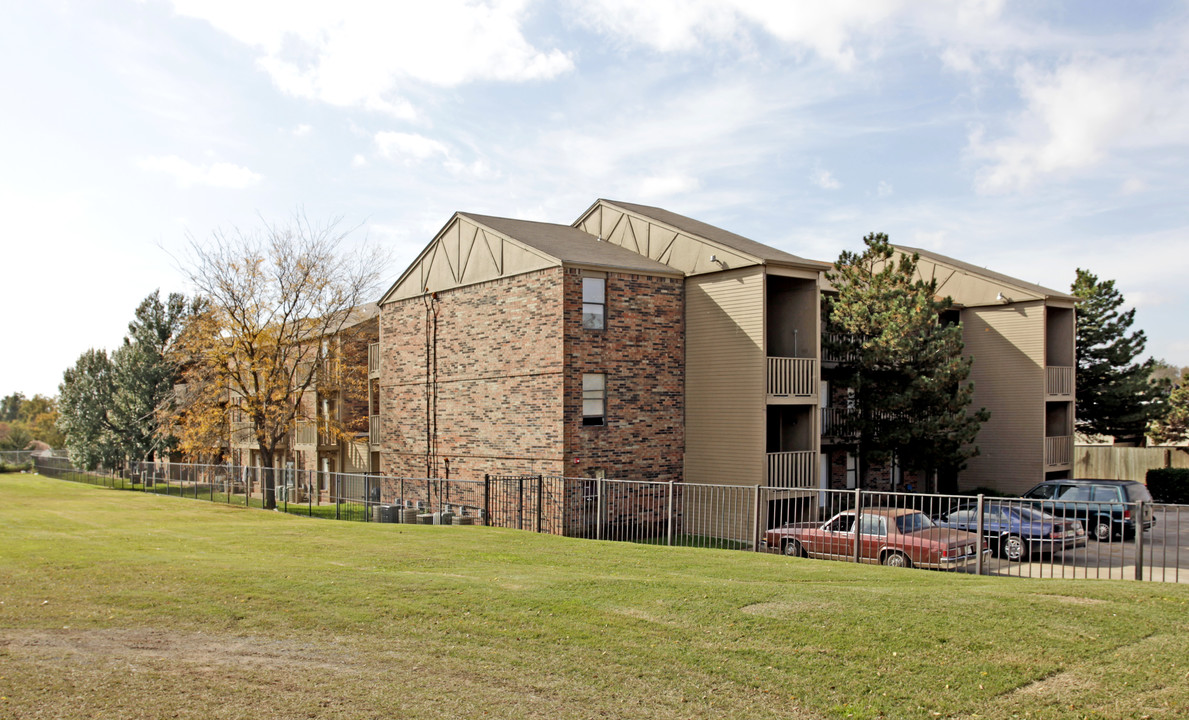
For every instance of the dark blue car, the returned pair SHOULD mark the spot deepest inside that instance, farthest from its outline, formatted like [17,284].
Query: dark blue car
[1014,531]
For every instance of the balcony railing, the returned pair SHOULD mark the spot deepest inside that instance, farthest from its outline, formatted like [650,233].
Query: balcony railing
[792,377]
[306,434]
[838,422]
[836,338]
[373,430]
[243,434]
[792,469]
[1058,450]
[1059,381]
[373,360]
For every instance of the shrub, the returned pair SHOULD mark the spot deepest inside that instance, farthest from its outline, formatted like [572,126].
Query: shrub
[1169,485]
[16,467]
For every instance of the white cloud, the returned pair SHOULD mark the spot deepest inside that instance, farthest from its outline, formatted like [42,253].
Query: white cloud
[1078,114]
[187,174]
[884,189]
[302,130]
[826,29]
[360,53]
[823,179]
[658,187]
[839,32]
[358,161]
[409,147]
[1133,185]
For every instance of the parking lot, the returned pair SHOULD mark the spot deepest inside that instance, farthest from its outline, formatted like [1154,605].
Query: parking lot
[1165,549]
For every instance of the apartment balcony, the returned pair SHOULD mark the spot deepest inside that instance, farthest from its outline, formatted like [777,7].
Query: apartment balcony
[1058,451]
[792,378]
[243,434]
[796,469]
[1059,382]
[837,422]
[373,429]
[831,357]
[306,434]
[373,360]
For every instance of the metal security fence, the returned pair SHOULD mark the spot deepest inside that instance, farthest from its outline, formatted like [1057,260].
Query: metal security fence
[1009,537]
[15,457]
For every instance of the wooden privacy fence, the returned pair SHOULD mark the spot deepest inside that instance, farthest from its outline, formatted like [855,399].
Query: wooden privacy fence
[1110,462]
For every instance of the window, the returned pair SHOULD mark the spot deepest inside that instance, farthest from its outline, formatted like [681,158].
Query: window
[594,303]
[841,524]
[1074,493]
[594,398]
[872,525]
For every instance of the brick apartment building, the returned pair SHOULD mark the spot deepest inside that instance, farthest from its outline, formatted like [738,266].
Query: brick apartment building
[640,344]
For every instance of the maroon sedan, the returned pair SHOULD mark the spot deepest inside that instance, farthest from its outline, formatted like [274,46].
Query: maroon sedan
[889,536]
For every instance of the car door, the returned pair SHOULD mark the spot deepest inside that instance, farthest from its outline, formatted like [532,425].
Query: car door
[873,534]
[837,537]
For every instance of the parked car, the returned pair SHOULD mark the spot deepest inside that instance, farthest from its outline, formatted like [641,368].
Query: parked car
[1016,531]
[897,537]
[1106,507]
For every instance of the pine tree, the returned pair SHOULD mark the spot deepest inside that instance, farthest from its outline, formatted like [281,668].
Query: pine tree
[905,365]
[84,398]
[1173,427]
[144,374]
[1114,396]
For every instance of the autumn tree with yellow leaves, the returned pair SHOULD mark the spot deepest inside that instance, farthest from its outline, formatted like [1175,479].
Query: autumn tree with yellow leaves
[280,306]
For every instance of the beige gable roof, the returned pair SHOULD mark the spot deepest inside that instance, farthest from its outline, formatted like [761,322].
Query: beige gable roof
[971,285]
[680,241]
[474,248]
[572,246]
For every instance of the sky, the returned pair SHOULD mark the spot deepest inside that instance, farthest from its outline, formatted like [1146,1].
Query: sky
[1031,138]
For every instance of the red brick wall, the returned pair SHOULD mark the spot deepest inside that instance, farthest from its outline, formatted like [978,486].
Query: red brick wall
[642,353]
[499,379]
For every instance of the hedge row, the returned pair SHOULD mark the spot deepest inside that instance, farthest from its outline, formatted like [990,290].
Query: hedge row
[1169,485]
[15,467]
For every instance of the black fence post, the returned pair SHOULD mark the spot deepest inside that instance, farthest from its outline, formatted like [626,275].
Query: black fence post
[540,484]
[486,499]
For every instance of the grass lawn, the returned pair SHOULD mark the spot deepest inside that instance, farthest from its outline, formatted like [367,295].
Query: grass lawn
[131,605]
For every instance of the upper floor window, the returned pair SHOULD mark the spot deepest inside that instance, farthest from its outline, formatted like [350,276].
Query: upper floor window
[594,398]
[594,303]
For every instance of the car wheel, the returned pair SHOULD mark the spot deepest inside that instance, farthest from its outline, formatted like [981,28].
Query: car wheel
[1101,529]
[897,559]
[792,548]
[1015,548]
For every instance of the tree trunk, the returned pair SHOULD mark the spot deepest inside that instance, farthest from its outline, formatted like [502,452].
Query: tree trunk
[268,479]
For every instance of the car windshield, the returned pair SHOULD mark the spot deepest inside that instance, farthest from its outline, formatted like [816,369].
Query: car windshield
[913,522]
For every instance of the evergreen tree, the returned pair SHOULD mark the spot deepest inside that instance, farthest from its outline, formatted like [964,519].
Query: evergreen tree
[10,406]
[144,374]
[1114,396]
[84,398]
[904,364]
[1173,427]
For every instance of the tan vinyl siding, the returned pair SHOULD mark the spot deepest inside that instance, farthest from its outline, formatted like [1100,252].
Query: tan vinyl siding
[1008,345]
[725,375]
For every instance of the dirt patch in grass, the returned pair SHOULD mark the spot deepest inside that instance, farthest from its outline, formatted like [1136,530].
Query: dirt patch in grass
[1058,685]
[782,610]
[1073,599]
[138,646]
